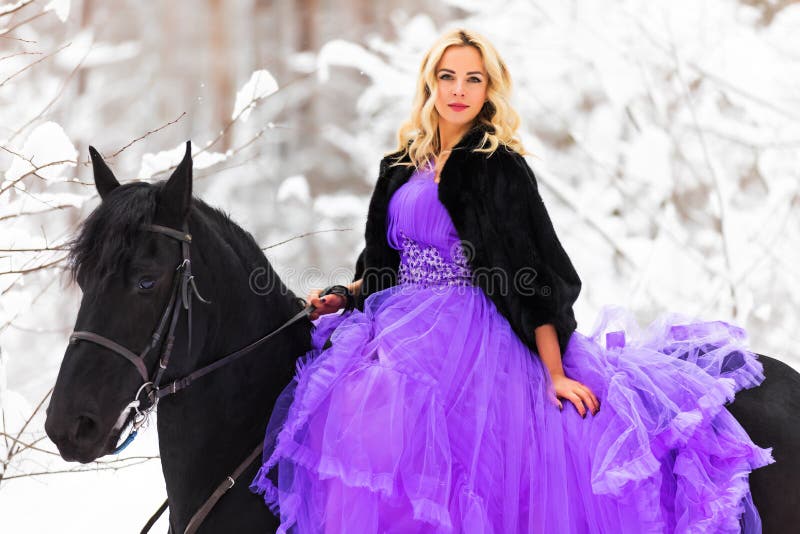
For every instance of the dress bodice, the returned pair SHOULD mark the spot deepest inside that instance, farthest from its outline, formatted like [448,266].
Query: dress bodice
[419,226]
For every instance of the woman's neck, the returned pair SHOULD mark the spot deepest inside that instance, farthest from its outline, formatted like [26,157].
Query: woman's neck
[449,135]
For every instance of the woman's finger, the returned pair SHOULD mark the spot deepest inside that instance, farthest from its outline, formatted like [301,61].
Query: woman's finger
[576,400]
[588,397]
[594,397]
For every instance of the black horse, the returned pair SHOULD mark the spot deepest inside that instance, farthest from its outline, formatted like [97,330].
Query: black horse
[205,431]
[126,276]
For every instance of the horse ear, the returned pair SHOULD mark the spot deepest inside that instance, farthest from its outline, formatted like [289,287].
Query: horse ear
[176,197]
[104,179]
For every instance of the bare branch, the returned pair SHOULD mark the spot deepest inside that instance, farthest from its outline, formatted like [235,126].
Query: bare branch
[33,413]
[37,268]
[11,77]
[24,446]
[5,436]
[252,104]
[105,466]
[55,98]
[15,8]
[718,79]
[33,301]
[33,172]
[232,152]
[306,235]
[3,36]
[115,154]
[21,54]
[6,31]
[45,249]
[721,200]
[25,213]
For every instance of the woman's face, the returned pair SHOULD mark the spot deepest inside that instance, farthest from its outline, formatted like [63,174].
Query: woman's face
[461,89]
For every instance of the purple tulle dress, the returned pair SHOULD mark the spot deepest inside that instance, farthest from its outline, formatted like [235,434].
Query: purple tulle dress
[428,414]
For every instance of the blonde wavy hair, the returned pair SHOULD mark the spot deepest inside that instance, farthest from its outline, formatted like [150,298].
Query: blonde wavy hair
[418,136]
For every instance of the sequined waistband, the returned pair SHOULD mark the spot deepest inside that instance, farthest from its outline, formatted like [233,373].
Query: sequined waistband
[424,264]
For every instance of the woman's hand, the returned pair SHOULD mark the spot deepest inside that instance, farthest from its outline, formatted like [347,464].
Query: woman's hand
[577,393]
[330,303]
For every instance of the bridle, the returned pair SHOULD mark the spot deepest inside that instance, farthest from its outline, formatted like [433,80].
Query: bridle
[183,287]
[182,283]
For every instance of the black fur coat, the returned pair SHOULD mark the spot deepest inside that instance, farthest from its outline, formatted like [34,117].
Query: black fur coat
[505,231]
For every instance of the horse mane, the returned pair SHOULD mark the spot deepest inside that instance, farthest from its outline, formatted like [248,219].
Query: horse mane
[107,238]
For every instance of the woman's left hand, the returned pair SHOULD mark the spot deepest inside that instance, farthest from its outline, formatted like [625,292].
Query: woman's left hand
[579,394]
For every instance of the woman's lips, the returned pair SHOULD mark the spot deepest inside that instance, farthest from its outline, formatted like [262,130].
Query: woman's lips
[457,107]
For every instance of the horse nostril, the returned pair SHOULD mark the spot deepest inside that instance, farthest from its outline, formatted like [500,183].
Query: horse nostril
[85,429]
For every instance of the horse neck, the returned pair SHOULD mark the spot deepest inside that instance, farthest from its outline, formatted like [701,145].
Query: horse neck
[207,429]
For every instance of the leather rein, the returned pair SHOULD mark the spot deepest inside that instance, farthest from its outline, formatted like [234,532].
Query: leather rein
[183,287]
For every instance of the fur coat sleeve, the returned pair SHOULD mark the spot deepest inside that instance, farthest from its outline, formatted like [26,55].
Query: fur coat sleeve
[511,245]
[545,284]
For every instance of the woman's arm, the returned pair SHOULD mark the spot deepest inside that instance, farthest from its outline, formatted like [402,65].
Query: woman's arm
[549,351]
[572,390]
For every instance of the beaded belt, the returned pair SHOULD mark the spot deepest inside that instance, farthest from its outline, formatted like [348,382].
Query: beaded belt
[423,264]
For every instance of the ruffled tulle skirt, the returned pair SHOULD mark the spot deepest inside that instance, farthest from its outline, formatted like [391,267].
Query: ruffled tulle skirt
[428,414]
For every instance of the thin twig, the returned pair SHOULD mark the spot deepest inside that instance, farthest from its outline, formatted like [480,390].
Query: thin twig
[37,268]
[23,53]
[34,172]
[45,249]
[103,467]
[6,31]
[27,41]
[25,446]
[67,232]
[306,235]
[714,176]
[30,417]
[232,152]
[16,8]
[115,154]
[25,213]
[5,436]
[252,104]
[26,67]
[54,99]
[784,112]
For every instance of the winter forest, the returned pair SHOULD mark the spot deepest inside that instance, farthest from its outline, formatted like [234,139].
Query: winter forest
[665,140]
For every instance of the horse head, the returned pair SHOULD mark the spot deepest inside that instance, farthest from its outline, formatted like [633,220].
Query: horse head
[127,273]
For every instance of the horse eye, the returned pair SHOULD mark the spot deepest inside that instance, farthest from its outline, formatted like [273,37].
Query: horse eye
[147,283]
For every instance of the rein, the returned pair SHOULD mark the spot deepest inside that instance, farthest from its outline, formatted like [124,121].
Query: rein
[183,286]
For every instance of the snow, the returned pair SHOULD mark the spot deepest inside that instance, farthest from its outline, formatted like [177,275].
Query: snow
[8,8]
[60,8]
[153,163]
[47,144]
[260,85]
[294,187]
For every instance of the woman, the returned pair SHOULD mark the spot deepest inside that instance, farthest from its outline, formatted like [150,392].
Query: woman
[438,403]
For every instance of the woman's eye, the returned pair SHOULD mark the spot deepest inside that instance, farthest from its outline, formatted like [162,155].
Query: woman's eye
[147,283]
[472,79]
